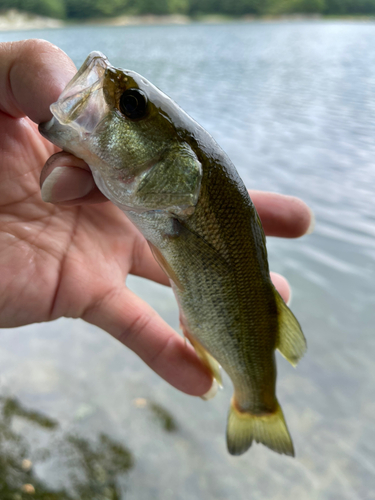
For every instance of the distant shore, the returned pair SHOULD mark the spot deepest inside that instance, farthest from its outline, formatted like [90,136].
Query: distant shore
[14,20]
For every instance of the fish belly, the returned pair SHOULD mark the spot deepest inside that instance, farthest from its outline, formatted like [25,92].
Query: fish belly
[238,329]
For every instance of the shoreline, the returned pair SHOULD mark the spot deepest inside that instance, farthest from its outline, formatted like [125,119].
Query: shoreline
[14,20]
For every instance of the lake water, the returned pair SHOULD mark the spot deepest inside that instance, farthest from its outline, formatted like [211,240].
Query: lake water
[293,105]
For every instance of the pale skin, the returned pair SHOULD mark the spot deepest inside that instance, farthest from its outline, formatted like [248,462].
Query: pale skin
[69,253]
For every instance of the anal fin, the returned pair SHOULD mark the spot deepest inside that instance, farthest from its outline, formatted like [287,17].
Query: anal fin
[291,342]
[209,361]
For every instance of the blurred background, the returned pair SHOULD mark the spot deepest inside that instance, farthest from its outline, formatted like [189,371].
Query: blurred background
[88,9]
[293,104]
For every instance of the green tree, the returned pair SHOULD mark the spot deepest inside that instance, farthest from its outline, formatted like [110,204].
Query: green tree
[48,8]
[82,9]
[108,7]
[240,7]
[277,7]
[178,6]
[8,4]
[159,7]
[340,7]
[229,7]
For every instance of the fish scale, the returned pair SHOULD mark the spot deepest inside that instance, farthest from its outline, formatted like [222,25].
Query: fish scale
[179,188]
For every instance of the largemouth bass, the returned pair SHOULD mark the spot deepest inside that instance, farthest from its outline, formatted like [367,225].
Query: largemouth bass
[183,193]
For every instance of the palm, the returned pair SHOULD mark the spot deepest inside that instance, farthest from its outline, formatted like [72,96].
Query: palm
[56,261]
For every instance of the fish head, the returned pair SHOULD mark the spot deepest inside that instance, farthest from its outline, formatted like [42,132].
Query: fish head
[123,126]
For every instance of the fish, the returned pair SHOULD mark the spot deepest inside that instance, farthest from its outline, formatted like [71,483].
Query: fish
[180,189]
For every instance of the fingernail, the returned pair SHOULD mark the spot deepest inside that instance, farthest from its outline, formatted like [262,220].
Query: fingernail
[211,393]
[66,184]
[311,227]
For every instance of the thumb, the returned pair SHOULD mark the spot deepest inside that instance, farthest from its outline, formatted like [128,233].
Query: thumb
[33,74]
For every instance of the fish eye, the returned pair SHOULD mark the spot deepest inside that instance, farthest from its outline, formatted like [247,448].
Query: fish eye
[133,104]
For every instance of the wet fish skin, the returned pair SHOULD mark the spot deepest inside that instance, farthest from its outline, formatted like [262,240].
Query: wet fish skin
[184,194]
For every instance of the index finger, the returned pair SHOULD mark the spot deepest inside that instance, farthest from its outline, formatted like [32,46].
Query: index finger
[283,216]
[33,73]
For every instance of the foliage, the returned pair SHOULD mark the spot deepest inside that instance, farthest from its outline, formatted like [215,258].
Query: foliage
[48,8]
[81,9]
[340,7]
[277,7]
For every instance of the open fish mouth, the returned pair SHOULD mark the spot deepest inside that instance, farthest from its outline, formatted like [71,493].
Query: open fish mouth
[82,104]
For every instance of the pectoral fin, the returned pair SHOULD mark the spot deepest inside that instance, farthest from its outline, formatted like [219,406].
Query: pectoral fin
[291,341]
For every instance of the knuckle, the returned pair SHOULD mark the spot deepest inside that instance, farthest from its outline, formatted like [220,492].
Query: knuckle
[161,353]
[130,335]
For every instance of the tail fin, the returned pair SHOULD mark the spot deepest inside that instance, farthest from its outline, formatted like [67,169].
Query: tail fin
[271,430]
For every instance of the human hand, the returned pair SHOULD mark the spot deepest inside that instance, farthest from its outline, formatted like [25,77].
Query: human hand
[70,257]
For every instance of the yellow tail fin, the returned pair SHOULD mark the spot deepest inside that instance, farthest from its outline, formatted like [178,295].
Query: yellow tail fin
[271,430]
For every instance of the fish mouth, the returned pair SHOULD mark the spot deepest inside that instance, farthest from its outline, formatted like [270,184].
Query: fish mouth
[82,104]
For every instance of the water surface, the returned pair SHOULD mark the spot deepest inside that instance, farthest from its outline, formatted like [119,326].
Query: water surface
[293,106]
